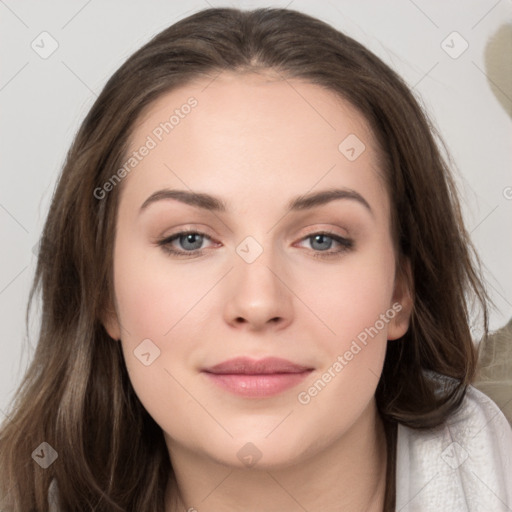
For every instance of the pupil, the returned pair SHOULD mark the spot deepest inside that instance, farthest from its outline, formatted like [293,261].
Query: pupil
[321,239]
[192,238]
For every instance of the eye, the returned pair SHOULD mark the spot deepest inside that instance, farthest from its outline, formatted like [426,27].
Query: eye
[190,241]
[191,244]
[322,242]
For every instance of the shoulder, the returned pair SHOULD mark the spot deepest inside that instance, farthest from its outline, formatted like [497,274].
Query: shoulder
[463,465]
[494,375]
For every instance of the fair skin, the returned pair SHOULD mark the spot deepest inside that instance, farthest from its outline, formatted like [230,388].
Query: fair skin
[256,142]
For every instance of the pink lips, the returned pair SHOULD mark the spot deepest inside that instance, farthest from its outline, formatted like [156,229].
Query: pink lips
[257,378]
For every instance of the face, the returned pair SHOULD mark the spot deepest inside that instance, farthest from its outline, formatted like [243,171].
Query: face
[258,276]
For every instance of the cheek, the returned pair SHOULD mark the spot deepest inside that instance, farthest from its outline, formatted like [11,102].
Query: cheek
[353,357]
[160,301]
[153,294]
[156,303]
[354,302]
[351,296]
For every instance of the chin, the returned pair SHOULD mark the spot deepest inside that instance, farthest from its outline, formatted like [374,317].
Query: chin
[256,452]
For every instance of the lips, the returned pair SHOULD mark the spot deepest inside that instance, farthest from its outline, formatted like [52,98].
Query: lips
[266,366]
[251,378]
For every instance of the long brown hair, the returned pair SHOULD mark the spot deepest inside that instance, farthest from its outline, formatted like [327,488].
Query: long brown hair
[77,396]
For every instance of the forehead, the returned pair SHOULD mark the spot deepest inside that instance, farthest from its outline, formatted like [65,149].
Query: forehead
[240,135]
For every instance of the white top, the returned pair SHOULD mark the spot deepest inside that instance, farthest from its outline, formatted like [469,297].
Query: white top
[465,465]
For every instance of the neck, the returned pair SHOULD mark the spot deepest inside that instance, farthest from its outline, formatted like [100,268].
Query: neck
[347,474]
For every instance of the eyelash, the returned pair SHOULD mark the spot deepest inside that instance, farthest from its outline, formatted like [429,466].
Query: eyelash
[345,243]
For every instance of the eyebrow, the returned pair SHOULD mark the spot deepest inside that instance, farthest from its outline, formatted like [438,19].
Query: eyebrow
[215,204]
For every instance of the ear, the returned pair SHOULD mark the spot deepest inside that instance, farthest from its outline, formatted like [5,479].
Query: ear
[111,323]
[402,302]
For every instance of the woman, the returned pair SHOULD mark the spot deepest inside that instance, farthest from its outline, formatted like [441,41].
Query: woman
[257,369]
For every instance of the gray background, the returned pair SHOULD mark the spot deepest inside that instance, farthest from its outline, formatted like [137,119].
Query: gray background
[43,101]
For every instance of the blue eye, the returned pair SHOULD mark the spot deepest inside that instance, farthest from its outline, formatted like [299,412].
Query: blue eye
[321,239]
[192,241]
[324,241]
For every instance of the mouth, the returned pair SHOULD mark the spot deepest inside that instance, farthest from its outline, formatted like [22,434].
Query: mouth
[257,378]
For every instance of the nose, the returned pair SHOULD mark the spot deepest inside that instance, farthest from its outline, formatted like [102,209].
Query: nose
[258,296]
